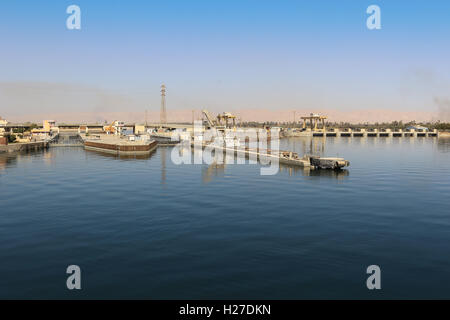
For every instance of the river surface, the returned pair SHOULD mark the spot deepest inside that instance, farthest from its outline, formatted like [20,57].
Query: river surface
[148,228]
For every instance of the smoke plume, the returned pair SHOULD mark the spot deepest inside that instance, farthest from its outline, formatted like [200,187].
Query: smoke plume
[443,105]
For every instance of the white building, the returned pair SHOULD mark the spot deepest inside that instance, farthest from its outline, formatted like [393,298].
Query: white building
[3,122]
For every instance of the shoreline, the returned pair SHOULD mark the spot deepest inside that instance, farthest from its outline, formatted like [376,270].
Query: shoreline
[444,134]
[25,146]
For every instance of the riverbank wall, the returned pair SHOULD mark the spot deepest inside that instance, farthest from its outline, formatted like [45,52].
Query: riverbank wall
[23,147]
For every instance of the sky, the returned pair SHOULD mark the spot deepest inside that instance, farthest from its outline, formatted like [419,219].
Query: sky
[260,59]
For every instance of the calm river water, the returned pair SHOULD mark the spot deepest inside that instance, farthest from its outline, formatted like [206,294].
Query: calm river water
[147,228]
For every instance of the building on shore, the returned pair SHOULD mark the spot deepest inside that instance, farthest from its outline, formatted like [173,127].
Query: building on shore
[140,129]
[3,122]
[49,128]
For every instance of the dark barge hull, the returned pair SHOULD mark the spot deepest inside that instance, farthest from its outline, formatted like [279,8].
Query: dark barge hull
[120,148]
[328,163]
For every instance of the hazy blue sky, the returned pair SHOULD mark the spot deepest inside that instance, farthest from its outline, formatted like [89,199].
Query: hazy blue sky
[225,55]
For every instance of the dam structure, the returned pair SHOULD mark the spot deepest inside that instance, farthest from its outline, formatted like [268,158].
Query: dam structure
[314,126]
[376,133]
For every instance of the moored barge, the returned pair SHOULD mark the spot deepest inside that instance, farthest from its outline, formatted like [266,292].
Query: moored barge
[119,146]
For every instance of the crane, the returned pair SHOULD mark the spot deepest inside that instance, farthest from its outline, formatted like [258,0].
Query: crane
[114,127]
[212,123]
[221,122]
[225,117]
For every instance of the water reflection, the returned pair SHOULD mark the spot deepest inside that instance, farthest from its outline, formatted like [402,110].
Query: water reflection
[337,174]
[444,144]
[163,164]
[122,156]
[8,159]
[3,162]
[214,170]
[307,172]
[305,145]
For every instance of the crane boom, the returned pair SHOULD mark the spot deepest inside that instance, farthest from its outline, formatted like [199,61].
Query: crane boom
[209,118]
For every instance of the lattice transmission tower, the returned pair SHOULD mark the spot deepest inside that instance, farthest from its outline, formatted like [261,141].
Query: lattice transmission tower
[163,114]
